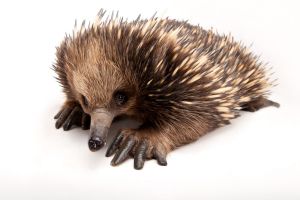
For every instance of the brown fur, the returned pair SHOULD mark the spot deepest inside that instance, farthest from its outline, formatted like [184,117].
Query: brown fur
[182,81]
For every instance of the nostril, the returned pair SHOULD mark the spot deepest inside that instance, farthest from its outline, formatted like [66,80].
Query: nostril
[95,143]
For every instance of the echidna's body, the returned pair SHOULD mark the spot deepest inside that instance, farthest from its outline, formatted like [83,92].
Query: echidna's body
[179,80]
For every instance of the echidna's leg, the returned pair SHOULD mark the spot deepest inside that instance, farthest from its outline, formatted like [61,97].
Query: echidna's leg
[155,143]
[259,103]
[72,114]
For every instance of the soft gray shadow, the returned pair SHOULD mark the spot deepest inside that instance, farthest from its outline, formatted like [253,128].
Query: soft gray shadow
[119,123]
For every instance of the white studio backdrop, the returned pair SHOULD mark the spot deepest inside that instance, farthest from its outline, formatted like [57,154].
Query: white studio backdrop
[257,157]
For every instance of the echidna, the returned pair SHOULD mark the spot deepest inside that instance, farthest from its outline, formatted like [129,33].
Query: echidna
[179,80]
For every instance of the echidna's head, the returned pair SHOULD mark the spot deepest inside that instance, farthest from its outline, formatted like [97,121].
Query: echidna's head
[98,84]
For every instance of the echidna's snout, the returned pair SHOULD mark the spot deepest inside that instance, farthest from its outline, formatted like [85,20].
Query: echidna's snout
[101,120]
[96,143]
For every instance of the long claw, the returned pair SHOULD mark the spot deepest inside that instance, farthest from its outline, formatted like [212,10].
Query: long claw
[86,121]
[123,152]
[62,117]
[114,145]
[71,119]
[58,114]
[160,157]
[139,157]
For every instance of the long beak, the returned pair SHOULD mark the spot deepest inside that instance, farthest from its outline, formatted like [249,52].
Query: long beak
[101,120]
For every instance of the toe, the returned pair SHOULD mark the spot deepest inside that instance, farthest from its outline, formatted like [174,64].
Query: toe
[58,114]
[71,119]
[114,145]
[86,121]
[139,157]
[123,153]
[62,117]
[160,156]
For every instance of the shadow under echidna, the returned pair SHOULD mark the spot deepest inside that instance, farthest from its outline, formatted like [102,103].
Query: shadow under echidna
[178,80]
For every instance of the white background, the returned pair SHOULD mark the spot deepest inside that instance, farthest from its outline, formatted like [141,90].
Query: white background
[257,157]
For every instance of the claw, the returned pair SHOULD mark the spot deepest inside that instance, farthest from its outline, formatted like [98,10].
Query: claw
[62,117]
[85,122]
[71,119]
[71,115]
[160,157]
[114,145]
[123,152]
[58,114]
[139,157]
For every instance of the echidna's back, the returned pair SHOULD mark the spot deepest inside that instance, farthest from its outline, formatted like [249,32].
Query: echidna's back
[234,65]
[191,67]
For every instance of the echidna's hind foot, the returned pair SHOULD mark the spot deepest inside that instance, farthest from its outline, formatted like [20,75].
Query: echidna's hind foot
[258,103]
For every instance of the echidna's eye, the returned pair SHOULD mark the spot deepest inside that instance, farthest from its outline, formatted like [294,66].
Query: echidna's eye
[121,98]
[84,101]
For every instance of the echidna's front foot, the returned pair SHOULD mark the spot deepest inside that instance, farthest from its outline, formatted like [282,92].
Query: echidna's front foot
[72,114]
[131,143]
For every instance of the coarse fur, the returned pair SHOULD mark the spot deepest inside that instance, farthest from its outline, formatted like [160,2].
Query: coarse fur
[182,81]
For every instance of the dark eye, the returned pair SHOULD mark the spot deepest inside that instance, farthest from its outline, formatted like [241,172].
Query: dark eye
[84,101]
[121,98]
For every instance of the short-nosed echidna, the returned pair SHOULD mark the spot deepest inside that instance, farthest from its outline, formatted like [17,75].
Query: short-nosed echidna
[178,80]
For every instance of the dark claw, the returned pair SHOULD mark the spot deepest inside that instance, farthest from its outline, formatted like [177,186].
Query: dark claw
[58,114]
[277,105]
[62,117]
[72,115]
[95,143]
[71,119]
[86,121]
[123,152]
[139,157]
[160,157]
[114,145]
